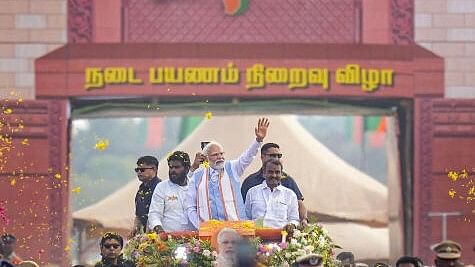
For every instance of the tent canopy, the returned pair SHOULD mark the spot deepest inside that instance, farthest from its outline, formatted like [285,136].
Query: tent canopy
[364,241]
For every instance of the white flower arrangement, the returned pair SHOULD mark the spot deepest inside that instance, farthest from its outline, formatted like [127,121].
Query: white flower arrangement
[312,239]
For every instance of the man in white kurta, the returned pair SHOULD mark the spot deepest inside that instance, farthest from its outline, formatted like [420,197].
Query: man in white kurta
[215,190]
[167,209]
[270,201]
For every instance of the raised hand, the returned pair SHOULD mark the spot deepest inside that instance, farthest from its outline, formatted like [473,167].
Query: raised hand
[199,158]
[261,129]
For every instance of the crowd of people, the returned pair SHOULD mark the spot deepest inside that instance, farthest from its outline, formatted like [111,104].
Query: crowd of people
[210,188]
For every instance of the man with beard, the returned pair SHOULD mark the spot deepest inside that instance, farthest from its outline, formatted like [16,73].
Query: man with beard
[215,191]
[275,204]
[227,246]
[167,209]
[147,167]
[111,251]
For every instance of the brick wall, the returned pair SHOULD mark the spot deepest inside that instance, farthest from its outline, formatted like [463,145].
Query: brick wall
[31,28]
[28,29]
[447,27]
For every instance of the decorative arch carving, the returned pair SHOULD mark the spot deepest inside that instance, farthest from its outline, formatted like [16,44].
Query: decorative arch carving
[402,21]
[80,21]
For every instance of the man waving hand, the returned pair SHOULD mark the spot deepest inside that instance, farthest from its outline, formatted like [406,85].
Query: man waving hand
[214,190]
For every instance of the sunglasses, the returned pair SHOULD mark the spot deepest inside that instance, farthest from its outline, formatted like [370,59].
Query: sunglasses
[143,169]
[108,246]
[277,155]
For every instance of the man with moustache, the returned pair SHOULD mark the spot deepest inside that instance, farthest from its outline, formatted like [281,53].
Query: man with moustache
[268,151]
[275,204]
[147,168]
[228,240]
[167,209]
[215,191]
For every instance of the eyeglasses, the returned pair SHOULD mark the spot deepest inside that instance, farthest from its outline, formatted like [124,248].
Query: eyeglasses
[108,246]
[275,155]
[143,169]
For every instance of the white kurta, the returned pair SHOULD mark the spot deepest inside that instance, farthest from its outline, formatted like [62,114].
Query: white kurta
[215,198]
[168,208]
[277,208]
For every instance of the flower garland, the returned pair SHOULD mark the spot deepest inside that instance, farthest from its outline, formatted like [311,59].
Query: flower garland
[149,250]
[199,253]
[212,225]
[313,239]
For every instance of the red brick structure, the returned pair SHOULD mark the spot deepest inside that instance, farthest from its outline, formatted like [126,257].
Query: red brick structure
[436,133]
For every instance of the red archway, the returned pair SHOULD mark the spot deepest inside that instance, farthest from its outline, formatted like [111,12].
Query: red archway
[442,130]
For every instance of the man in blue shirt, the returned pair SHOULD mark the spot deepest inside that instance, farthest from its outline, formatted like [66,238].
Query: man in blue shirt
[214,190]
[268,151]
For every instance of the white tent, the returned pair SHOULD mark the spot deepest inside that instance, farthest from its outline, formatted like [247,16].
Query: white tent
[330,185]
[364,241]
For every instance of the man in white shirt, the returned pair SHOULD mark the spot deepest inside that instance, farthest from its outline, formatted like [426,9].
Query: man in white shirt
[167,208]
[215,190]
[270,201]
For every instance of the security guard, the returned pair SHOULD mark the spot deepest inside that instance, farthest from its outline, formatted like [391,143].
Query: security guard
[448,253]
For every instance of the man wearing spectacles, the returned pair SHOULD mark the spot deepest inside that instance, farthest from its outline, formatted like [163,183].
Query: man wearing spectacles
[111,251]
[214,191]
[272,151]
[147,167]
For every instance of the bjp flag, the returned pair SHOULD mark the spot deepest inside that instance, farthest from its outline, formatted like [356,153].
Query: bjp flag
[235,7]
